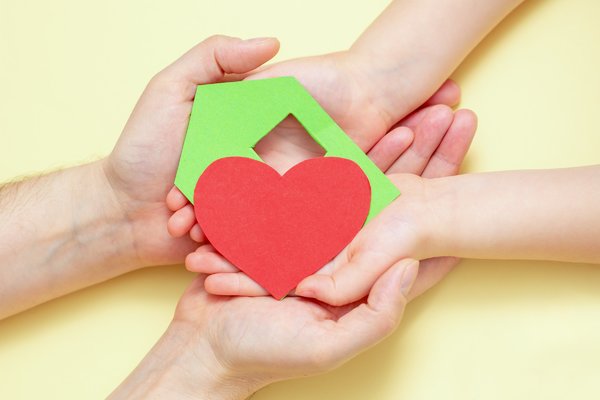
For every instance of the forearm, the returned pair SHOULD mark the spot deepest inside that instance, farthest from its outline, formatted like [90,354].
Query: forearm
[59,232]
[545,215]
[414,45]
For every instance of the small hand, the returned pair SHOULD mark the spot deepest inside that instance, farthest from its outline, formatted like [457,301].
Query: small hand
[142,166]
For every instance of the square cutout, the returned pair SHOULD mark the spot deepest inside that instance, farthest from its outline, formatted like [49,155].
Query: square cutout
[287,144]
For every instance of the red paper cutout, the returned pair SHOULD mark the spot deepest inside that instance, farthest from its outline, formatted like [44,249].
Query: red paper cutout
[280,229]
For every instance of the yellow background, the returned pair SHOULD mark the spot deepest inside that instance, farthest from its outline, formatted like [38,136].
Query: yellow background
[70,72]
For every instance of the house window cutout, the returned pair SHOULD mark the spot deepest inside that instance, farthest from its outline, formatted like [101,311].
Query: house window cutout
[287,144]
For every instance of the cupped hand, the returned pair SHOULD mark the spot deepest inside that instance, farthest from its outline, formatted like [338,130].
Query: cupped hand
[259,340]
[142,166]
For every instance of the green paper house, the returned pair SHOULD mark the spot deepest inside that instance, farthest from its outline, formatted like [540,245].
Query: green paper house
[228,119]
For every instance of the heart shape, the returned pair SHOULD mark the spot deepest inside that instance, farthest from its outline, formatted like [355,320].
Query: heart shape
[280,229]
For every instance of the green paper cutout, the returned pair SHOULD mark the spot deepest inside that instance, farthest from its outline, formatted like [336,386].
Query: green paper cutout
[228,119]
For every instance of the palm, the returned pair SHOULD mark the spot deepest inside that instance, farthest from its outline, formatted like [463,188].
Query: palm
[265,340]
[295,328]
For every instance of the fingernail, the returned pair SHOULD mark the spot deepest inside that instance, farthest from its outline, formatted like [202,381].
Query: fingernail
[411,270]
[258,40]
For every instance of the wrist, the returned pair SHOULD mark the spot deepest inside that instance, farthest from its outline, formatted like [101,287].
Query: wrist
[414,215]
[425,213]
[395,84]
[103,221]
[439,216]
[183,366]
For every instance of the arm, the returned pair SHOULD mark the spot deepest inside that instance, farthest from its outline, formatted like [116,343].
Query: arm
[534,215]
[60,232]
[414,45]
[73,228]
[542,215]
[393,67]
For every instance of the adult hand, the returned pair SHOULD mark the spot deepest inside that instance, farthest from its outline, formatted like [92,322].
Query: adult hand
[141,169]
[230,347]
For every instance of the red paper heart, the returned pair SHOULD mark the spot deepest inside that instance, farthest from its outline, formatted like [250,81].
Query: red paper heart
[280,229]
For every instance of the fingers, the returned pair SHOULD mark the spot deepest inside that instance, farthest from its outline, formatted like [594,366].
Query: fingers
[390,147]
[451,152]
[225,279]
[216,56]
[197,235]
[429,126]
[181,221]
[431,272]
[175,199]
[448,94]
[371,322]
[233,284]
[178,222]
[206,260]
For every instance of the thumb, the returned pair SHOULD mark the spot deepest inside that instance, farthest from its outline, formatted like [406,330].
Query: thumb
[374,320]
[210,60]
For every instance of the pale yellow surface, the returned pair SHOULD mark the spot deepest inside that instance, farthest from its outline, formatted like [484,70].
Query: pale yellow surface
[70,72]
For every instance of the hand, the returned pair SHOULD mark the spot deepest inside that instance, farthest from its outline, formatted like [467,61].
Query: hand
[430,126]
[231,347]
[142,166]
